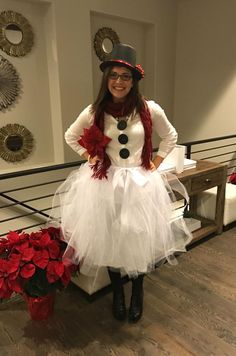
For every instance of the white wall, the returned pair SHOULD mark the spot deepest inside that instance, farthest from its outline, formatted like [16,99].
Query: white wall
[194,81]
[205,81]
[58,76]
[75,49]
[32,109]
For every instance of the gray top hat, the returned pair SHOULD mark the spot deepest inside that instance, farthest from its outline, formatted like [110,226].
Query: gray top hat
[124,55]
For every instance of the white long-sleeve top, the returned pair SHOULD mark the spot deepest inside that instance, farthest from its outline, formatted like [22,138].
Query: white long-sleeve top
[134,131]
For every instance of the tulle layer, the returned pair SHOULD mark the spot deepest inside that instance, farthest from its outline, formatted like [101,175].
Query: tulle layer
[123,222]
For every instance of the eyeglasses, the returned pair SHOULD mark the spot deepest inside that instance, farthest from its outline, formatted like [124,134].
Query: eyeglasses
[124,76]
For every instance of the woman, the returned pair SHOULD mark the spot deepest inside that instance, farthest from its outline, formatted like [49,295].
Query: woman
[115,209]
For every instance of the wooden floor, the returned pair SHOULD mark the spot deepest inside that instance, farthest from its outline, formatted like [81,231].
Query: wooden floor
[190,309]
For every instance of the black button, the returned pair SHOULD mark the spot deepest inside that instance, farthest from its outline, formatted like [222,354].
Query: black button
[123,139]
[122,124]
[124,153]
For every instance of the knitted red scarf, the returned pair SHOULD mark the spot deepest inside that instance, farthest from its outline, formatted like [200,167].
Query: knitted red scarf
[120,110]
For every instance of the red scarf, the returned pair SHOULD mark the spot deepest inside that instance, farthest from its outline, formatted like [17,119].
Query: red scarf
[120,110]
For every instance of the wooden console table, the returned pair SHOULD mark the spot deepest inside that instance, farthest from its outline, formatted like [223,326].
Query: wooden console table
[206,175]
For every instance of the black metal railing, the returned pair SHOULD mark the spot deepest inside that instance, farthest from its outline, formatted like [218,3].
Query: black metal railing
[15,209]
[219,149]
[26,196]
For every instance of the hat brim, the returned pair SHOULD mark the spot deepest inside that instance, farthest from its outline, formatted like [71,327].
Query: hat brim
[122,63]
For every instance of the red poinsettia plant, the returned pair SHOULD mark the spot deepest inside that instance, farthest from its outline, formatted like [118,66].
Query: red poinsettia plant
[232,178]
[32,263]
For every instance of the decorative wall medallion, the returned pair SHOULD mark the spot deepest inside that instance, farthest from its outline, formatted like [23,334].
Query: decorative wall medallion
[16,35]
[104,41]
[16,142]
[9,83]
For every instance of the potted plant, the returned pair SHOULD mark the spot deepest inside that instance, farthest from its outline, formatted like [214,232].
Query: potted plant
[32,265]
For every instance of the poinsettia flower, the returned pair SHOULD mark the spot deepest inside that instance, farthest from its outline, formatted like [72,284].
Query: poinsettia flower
[8,267]
[13,237]
[4,245]
[4,241]
[15,285]
[28,270]
[21,246]
[14,275]
[65,278]
[34,238]
[5,291]
[55,270]
[54,232]
[94,141]
[59,268]
[16,257]
[66,261]
[27,254]
[54,250]
[41,258]
[14,262]
[1,282]
[45,239]
[12,265]
[25,258]
[232,178]
[3,266]
[23,236]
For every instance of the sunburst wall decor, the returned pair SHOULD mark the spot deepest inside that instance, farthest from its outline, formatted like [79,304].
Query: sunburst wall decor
[104,41]
[13,20]
[16,142]
[9,83]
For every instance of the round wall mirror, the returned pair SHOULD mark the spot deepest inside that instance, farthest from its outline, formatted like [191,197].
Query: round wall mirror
[16,34]
[16,142]
[107,45]
[13,33]
[104,41]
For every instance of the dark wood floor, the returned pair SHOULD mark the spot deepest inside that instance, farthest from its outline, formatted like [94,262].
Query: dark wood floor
[190,309]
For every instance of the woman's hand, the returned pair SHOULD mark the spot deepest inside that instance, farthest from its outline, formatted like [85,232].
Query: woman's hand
[91,160]
[155,163]
[152,166]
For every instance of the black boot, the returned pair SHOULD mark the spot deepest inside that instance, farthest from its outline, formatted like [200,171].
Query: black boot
[136,304]
[118,306]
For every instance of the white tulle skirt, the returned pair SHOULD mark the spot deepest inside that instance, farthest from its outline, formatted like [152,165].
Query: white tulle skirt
[124,222]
